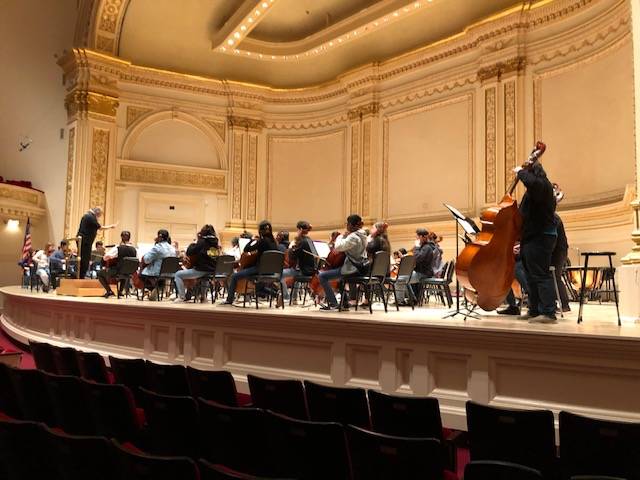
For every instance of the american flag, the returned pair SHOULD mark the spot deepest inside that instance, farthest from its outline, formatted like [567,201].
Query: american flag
[26,246]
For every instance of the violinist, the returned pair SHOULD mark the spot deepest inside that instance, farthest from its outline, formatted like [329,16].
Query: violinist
[203,254]
[423,251]
[152,260]
[282,239]
[353,243]
[537,240]
[302,253]
[234,251]
[265,241]
[378,240]
[118,252]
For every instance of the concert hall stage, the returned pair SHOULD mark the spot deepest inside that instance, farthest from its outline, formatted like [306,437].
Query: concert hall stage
[592,368]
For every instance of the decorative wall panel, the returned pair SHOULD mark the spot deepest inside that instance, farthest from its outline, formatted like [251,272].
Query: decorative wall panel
[236,179]
[99,168]
[252,178]
[509,130]
[69,181]
[490,144]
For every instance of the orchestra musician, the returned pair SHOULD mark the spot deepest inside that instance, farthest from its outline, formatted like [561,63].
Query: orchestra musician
[378,239]
[203,255]
[41,261]
[282,239]
[88,229]
[117,253]
[353,243]
[265,241]
[423,251]
[234,251]
[512,304]
[152,260]
[537,240]
[302,253]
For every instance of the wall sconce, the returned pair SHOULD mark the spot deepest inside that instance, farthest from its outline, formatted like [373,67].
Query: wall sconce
[13,225]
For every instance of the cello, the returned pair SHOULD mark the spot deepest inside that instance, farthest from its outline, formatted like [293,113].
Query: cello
[485,267]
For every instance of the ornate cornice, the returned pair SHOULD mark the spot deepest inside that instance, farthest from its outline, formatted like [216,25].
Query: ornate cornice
[363,111]
[108,24]
[163,176]
[20,203]
[497,70]
[82,103]
[246,123]
[135,113]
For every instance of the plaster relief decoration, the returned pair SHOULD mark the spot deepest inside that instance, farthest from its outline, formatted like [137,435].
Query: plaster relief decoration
[219,127]
[134,113]
[385,167]
[109,23]
[99,165]
[490,144]
[69,183]
[366,167]
[497,70]
[236,211]
[190,178]
[509,129]
[21,202]
[83,103]
[355,138]
[252,179]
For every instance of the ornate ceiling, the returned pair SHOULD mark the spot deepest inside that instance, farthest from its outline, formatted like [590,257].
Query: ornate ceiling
[281,43]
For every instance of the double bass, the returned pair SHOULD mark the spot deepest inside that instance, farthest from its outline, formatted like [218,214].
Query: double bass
[334,260]
[485,267]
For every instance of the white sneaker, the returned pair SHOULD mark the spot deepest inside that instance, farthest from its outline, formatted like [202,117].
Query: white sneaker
[179,300]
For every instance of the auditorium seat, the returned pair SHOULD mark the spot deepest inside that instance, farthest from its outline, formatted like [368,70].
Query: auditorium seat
[140,466]
[113,411]
[83,457]
[31,395]
[214,385]
[209,471]
[131,372]
[23,451]
[405,416]
[43,357]
[8,400]
[167,379]
[525,437]
[92,366]
[172,424]
[590,446]
[307,450]
[494,470]
[280,396]
[70,408]
[65,361]
[375,456]
[235,437]
[337,404]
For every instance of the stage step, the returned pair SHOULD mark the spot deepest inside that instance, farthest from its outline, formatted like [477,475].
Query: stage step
[80,288]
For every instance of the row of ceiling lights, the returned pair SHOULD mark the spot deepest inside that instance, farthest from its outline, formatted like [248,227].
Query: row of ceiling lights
[243,31]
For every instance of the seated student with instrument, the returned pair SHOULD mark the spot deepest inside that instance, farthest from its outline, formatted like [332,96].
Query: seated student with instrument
[424,254]
[202,257]
[153,258]
[265,241]
[113,261]
[302,257]
[353,243]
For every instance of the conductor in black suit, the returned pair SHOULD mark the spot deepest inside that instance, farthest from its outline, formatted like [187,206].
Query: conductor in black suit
[88,229]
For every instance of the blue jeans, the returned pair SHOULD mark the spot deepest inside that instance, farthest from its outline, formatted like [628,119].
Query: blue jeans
[182,275]
[247,272]
[324,278]
[287,273]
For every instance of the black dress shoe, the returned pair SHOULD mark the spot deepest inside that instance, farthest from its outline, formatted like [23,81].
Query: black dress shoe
[511,310]
[108,294]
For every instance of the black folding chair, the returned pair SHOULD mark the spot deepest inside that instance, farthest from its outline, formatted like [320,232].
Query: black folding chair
[405,270]
[269,274]
[224,269]
[128,266]
[372,281]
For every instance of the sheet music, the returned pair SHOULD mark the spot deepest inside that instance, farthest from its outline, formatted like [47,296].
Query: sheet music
[322,248]
[143,249]
[243,242]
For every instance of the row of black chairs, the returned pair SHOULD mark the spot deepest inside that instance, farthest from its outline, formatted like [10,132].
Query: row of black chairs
[31,450]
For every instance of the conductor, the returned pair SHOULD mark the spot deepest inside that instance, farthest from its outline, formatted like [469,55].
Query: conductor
[88,229]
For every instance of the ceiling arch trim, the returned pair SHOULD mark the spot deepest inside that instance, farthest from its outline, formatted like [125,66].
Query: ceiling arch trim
[107,25]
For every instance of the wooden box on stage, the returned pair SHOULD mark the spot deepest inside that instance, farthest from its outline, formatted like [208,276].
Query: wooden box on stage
[80,287]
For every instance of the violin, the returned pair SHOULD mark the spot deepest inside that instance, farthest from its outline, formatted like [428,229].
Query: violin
[485,267]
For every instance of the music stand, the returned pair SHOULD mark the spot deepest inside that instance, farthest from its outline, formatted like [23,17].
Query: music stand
[470,228]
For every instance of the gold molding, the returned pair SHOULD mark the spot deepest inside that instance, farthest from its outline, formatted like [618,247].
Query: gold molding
[490,145]
[69,182]
[108,24]
[385,167]
[366,168]
[355,138]
[219,127]
[135,113]
[85,103]
[20,194]
[252,180]
[99,168]
[246,123]
[362,111]
[236,177]
[155,175]
[509,130]
[497,70]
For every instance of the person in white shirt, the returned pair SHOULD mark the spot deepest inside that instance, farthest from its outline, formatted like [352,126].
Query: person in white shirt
[235,249]
[41,262]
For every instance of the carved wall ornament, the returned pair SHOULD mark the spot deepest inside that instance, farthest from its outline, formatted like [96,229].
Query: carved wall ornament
[497,70]
[109,16]
[105,44]
[69,183]
[252,180]
[174,177]
[134,113]
[99,167]
[509,130]
[236,176]
[366,167]
[355,161]
[82,103]
[364,110]
[246,122]
[490,144]
[219,127]
[20,194]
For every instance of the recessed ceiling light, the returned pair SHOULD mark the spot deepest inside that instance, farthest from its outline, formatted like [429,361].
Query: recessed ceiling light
[237,34]
[230,41]
[250,20]
[265,4]
[243,27]
[331,44]
[257,13]
[395,14]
